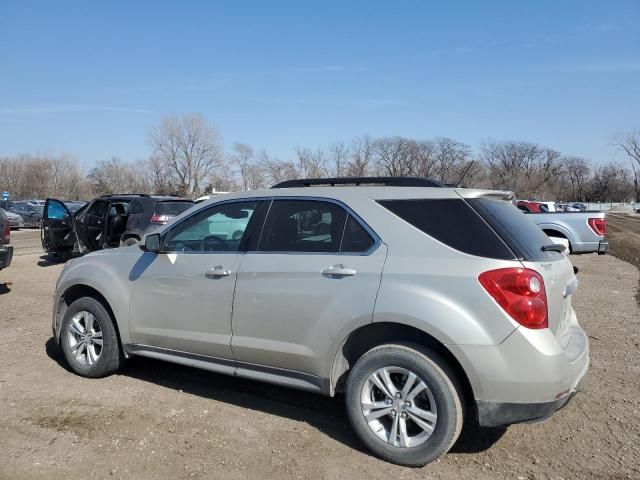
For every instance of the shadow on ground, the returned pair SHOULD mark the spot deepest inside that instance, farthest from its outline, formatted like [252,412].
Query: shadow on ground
[4,288]
[326,414]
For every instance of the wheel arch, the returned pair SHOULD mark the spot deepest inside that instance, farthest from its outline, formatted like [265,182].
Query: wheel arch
[371,335]
[127,235]
[75,292]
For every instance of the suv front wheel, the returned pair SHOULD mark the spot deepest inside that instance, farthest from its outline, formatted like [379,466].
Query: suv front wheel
[403,404]
[89,339]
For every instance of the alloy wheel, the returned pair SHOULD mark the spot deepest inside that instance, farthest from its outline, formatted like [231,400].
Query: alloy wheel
[85,338]
[398,407]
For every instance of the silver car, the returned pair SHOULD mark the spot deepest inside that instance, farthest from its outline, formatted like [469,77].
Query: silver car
[426,306]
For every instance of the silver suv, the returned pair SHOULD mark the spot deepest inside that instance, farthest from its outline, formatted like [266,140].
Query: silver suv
[425,305]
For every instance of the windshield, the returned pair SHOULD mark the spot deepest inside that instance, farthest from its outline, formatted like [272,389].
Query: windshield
[172,208]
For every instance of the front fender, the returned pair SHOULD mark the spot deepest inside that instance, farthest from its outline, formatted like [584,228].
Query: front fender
[102,276]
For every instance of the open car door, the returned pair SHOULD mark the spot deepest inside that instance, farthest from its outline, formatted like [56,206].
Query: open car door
[57,227]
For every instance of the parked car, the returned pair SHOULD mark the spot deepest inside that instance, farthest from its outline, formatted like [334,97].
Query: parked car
[30,212]
[585,231]
[565,207]
[6,250]
[532,206]
[427,306]
[580,206]
[106,222]
[15,220]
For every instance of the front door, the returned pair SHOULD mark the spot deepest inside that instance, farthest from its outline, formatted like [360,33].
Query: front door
[315,276]
[181,298]
[56,233]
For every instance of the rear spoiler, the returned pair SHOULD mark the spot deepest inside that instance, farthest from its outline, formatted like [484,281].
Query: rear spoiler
[505,195]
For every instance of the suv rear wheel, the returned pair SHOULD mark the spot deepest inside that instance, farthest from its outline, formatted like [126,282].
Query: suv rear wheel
[89,340]
[403,404]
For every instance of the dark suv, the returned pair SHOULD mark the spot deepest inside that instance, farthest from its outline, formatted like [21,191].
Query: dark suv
[105,222]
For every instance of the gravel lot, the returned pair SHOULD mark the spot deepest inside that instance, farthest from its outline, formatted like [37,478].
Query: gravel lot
[156,420]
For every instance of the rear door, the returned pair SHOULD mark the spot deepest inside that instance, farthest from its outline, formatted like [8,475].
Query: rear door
[316,274]
[56,232]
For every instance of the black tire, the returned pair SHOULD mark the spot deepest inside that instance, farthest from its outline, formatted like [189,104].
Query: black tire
[111,357]
[127,242]
[441,381]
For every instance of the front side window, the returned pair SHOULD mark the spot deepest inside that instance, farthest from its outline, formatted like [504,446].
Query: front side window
[221,228]
[303,226]
[56,210]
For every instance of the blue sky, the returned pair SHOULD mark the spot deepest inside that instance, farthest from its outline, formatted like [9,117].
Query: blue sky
[92,78]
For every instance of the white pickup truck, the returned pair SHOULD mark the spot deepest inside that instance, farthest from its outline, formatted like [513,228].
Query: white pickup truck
[585,231]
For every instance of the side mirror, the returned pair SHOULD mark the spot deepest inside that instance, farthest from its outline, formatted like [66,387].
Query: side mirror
[151,243]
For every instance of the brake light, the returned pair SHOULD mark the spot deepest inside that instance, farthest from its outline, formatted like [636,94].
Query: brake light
[162,219]
[6,234]
[598,225]
[520,292]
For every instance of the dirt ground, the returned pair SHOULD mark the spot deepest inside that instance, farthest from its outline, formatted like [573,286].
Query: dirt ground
[157,420]
[623,231]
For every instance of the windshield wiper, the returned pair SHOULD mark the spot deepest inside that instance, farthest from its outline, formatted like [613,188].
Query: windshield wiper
[554,247]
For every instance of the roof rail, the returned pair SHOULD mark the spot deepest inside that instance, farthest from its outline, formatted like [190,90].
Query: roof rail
[357,181]
[124,195]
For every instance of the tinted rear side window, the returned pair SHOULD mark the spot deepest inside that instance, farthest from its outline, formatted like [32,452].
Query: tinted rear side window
[172,208]
[452,222]
[303,226]
[355,238]
[517,229]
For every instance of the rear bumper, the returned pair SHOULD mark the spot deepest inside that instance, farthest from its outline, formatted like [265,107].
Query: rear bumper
[494,414]
[6,255]
[527,377]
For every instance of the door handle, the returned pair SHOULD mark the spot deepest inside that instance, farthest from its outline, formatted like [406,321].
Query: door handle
[217,272]
[337,271]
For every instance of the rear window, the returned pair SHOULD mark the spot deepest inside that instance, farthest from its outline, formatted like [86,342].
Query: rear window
[172,208]
[452,222]
[518,231]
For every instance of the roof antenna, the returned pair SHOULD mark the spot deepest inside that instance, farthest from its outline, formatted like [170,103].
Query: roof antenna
[464,174]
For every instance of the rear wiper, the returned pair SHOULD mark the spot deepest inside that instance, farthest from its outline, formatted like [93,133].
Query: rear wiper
[554,247]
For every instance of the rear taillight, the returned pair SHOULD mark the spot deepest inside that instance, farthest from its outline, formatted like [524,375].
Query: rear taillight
[6,233]
[598,225]
[520,292]
[162,219]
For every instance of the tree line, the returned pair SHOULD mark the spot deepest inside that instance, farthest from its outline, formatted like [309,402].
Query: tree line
[187,159]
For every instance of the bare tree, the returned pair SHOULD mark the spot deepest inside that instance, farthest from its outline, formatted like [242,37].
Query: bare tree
[610,183]
[251,173]
[190,147]
[393,156]
[276,171]
[629,142]
[338,156]
[360,158]
[525,168]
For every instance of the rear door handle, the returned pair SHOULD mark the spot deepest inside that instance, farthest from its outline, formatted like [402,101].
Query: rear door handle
[217,272]
[337,271]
